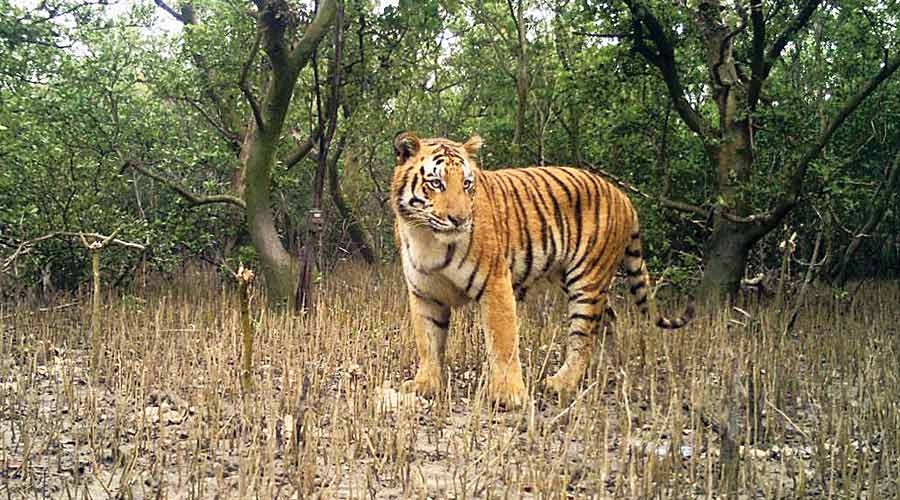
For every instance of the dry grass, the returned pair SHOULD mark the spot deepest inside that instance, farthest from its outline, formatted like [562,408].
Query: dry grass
[164,416]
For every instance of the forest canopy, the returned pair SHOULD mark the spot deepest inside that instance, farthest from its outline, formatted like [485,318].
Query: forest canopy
[229,131]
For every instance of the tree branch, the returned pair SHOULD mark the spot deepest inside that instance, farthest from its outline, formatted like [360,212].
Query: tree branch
[99,240]
[302,149]
[762,60]
[601,35]
[245,88]
[794,186]
[233,139]
[797,24]
[758,53]
[314,33]
[514,15]
[224,107]
[164,6]
[666,202]
[664,59]
[684,207]
[192,198]
[878,206]
[478,13]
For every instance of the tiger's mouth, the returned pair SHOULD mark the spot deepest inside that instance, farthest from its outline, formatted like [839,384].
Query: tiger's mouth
[451,230]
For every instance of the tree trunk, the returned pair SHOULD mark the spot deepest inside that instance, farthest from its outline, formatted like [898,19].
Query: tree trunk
[730,144]
[279,268]
[730,243]
[724,260]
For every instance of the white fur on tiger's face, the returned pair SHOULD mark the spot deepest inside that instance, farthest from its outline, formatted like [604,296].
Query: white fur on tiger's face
[438,190]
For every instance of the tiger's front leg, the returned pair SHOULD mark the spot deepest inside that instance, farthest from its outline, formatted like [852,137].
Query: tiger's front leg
[430,319]
[498,303]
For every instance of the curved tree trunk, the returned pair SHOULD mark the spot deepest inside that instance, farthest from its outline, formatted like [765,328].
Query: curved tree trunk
[279,268]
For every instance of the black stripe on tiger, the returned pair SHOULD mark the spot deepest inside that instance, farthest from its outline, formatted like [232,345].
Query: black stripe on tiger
[529,246]
[421,296]
[586,317]
[451,249]
[442,324]
[596,233]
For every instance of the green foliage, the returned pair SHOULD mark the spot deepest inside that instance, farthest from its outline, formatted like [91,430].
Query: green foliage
[83,93]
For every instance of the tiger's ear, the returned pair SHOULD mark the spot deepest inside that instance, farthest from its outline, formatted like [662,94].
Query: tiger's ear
[406,144]
[473,145]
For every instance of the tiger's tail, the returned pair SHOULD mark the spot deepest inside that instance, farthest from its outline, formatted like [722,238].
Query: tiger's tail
[639,284]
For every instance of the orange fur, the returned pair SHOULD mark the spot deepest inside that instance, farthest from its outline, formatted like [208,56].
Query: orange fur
[467,234]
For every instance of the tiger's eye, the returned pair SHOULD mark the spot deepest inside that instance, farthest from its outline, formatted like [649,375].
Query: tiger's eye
[436,184]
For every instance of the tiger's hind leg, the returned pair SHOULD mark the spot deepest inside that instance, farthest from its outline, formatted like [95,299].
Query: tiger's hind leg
[587,311]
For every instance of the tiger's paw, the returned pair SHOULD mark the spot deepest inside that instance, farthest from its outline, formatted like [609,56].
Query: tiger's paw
[426,383]
[508,392]
[561,386]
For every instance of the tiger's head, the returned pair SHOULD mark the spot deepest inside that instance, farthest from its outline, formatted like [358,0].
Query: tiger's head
[434,183]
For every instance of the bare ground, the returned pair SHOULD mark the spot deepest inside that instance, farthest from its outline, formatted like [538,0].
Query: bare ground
[162,415]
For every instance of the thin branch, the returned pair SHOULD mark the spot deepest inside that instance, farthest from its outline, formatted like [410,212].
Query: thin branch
[515,15]
[231,137]
[878,206]
[302,150]
[786,35]
[245,88]
[99,241]
[23,248]
[810,273]
[601,35]
[478,12]
[192,198]
[164,6]
[666,202]
[684,207]
[757,61]
[794,186]
[663,57]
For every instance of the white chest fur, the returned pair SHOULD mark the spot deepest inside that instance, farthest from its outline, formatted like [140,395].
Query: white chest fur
[422,249]
[433,264]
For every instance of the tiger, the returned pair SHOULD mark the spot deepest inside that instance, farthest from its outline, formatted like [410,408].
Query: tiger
[465,234]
